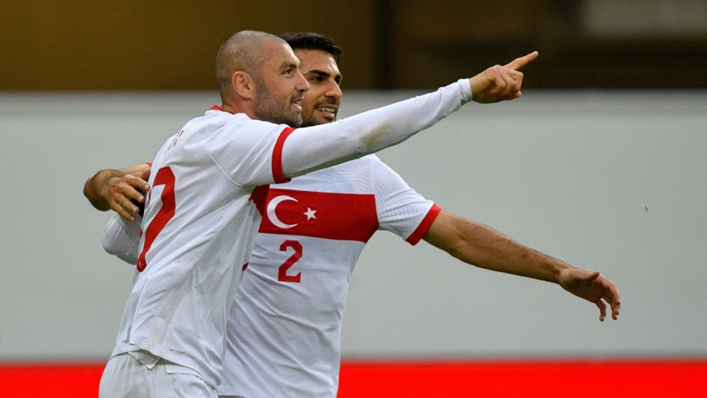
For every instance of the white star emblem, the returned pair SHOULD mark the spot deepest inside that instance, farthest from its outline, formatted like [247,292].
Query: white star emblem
[310,213]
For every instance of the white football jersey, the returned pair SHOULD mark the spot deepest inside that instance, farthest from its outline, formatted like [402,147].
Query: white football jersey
[284,330]
[198,232]
[201,219]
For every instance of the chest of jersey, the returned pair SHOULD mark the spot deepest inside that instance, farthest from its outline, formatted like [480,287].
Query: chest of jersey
[328,215]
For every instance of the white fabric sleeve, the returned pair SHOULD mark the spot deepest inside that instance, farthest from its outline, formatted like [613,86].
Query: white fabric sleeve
[122,238]
[244,149]
[311,148]
[400,208]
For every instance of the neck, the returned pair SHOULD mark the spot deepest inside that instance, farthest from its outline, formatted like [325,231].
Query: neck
[238,107]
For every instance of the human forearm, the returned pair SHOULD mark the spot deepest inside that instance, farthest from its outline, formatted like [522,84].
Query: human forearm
[479,245]
[122,238]
[484,247]
[308,149]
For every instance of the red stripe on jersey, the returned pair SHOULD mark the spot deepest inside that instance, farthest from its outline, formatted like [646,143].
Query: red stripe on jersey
[339,216]
[259,196]
[424,226]
[277,172]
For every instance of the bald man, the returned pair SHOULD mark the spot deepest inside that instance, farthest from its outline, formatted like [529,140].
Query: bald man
[209,180]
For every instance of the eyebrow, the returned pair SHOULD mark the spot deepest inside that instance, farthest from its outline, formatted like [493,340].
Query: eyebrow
[324,74]
[288,65]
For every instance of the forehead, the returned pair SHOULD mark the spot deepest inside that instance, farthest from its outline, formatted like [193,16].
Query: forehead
[316,60]
[279,54]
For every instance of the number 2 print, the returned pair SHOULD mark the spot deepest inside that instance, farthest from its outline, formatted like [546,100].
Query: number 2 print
[282,272]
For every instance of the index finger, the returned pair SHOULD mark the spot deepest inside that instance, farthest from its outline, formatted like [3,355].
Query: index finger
[522,61]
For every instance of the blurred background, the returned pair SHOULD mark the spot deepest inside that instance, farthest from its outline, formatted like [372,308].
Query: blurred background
[171,45]
[601,163]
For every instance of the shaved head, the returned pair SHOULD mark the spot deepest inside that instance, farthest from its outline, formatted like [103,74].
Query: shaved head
[243,51]
[258,74]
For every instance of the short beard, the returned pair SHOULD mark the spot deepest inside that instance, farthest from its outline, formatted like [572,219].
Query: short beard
[310,122]
[270,108]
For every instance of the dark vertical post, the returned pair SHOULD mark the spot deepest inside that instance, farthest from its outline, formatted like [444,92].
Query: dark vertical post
[383,36]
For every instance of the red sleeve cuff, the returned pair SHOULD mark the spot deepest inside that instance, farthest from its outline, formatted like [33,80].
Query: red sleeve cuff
[424,226]
[277,172]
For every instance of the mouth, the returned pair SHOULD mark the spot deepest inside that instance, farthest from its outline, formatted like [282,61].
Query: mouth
[297,103]
[328,111]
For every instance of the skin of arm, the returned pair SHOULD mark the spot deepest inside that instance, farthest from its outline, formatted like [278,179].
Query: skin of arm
[479,245]
[113,189]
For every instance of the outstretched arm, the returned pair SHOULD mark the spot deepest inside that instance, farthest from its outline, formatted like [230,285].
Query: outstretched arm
[114,189]
[483,247]
[312,148]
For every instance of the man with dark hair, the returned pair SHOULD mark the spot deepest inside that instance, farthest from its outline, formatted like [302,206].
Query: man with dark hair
[284,325]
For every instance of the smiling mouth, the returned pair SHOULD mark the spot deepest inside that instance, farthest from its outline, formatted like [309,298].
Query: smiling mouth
[330,111]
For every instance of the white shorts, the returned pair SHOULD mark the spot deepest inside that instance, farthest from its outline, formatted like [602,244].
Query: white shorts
[126,377]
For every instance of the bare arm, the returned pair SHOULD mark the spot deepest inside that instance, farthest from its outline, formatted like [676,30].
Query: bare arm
[114,189]
[483,247]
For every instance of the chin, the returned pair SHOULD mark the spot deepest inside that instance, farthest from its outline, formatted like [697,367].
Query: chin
[295,121]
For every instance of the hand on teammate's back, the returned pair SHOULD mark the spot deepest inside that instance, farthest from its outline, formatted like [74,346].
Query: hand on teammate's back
[119,190]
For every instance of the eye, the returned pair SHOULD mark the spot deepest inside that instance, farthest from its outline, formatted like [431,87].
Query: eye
[316,79]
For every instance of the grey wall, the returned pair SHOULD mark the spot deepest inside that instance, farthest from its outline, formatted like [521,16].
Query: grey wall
[613,181]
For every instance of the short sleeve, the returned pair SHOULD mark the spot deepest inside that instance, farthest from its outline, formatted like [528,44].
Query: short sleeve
[401,210]
[249,152]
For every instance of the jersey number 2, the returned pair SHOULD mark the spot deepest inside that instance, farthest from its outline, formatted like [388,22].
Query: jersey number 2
[165,177]
[282,272]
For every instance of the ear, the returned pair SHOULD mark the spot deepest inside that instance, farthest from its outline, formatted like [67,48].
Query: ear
[242,85]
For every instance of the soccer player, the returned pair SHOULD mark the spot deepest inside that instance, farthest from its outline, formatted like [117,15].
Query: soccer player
[208,184]
[285,322]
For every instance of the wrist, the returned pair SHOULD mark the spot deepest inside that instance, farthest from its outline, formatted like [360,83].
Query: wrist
[558,268]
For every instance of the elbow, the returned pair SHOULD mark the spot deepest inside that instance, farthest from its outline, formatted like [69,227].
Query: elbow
[87,189]
[111,247]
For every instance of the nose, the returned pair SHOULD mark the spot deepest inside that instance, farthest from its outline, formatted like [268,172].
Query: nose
[301,83]
[334,91]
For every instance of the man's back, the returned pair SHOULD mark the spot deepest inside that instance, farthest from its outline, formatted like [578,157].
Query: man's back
[200,231]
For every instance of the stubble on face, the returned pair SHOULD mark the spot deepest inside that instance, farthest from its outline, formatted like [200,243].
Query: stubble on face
[308,117]
[275,108]
[322,101]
